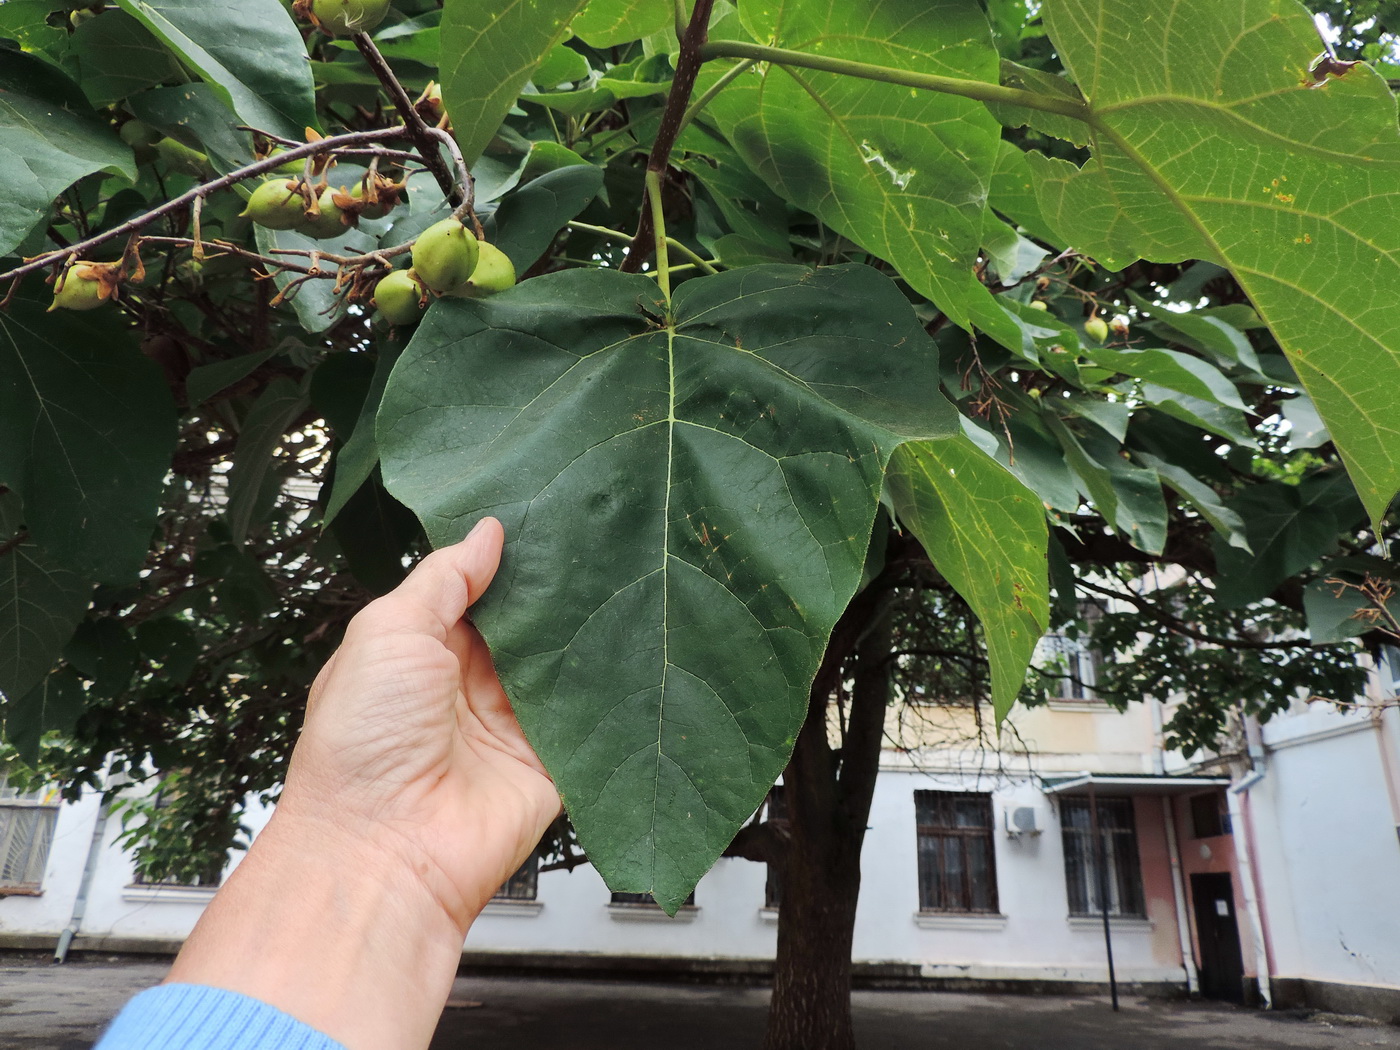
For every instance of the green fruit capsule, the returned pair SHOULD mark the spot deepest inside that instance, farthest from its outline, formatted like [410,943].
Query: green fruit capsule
[398,296]
[276,205]
[1096,328]
[346,17]
[329,223]
[1039,304]
[445,256]
[291,167]
[494,273]
[79,290]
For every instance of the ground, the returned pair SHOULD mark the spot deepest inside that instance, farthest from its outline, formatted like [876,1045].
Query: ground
[43,1007]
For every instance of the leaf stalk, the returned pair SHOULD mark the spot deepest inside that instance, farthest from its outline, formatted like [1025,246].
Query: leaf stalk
[974,89]
[658,225]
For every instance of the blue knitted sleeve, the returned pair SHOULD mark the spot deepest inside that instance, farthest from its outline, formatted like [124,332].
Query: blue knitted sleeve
[196,1017]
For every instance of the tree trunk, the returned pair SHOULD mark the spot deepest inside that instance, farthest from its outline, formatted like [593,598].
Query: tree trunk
[828,794]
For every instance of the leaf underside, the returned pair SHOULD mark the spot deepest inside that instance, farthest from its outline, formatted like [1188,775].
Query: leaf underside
[688,507]
[1212,140]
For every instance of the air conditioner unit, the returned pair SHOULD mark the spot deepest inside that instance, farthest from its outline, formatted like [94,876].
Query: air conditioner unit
[1021,821]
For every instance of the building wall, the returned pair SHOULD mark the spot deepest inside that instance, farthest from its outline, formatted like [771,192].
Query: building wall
[1329,857]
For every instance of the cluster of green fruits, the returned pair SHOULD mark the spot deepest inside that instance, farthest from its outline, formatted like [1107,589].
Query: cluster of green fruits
[320,211]
[447,260]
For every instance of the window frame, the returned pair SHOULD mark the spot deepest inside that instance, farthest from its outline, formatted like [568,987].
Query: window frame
[962,835]
[36,807]
[1127,898]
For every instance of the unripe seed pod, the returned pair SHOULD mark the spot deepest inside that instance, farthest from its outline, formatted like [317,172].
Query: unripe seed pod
[1096,328]
[328,222]
[1038,304]
[494,273]
[277,205]
[79,289]
[398,296]
[346,17]
[445,256]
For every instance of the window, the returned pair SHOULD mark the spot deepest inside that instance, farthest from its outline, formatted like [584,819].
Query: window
[777,814]
[1390,670]
[1208,818]
[204,871]
[647,901]
[1071,665]
[524,884]
[957,864]
[27,818]
[1118,836]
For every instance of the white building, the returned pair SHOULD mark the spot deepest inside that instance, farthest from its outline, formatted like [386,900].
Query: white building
[1275,884]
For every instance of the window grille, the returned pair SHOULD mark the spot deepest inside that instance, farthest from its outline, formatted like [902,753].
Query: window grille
[524,884]
[1118,836]
[957,861]
[27,821]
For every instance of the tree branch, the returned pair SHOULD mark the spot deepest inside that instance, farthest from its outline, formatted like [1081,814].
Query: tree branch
[201,191]
[1176,626]
[687,69]
[418,130]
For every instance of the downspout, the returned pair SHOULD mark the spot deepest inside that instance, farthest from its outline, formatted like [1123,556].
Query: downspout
[1183,931]
[1387,739]
[94,854]
[1244,858]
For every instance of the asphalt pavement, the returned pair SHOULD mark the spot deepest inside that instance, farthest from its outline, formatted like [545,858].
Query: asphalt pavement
[45,1007]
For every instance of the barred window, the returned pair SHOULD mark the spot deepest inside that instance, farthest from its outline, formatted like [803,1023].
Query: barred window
[957,861]
[524,884]
[777,814]
[27,819]
[1071,664]
[1118,837]
[647,900]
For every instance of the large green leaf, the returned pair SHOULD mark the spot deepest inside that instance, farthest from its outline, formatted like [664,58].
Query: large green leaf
[1289,527]
[117,56]
[607,23]
[49,138]
[688,507]
[268,421]
[87,428]
[903,173]
[488,53]
[41,604]
[53,704]
[250,52]
[528,220]
[1212,140]
[986,534]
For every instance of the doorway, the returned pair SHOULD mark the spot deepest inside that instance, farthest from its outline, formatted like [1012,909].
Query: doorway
[1218,936]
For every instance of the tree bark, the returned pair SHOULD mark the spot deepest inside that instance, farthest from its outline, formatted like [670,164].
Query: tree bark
[828,794]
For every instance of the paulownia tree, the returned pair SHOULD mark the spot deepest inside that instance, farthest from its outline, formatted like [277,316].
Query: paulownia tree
[817,305]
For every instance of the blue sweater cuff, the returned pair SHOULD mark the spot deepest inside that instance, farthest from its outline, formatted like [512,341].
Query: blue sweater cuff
[196,1017]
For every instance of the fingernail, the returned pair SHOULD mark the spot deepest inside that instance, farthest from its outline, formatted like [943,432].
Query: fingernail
[475,529]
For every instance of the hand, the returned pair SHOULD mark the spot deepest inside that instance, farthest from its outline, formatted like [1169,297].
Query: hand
[410,740]
[411,796]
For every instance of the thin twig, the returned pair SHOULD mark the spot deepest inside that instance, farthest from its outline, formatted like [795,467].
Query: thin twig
[418,128]
[248,171]
[687,69]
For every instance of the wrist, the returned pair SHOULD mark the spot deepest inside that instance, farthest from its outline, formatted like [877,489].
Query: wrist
[335,929]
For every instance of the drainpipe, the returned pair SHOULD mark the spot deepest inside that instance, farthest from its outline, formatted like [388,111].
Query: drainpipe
[94,854]
[1384,720]
[1183,931]
[1244,858]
